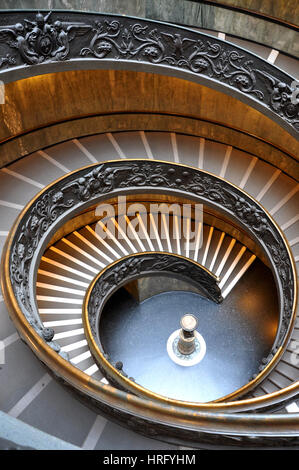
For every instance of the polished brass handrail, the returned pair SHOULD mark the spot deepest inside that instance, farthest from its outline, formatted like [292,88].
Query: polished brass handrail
[132,267]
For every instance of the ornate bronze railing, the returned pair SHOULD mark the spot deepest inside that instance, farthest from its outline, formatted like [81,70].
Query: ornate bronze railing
[75,192]
[71,194]
[33,44]
[57,40]
[128,269]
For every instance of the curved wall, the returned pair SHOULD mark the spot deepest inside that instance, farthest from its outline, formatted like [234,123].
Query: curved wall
[47,109]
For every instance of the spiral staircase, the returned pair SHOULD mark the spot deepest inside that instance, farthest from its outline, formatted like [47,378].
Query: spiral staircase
[57,385]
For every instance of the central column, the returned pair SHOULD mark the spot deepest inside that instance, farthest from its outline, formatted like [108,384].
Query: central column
[186,344]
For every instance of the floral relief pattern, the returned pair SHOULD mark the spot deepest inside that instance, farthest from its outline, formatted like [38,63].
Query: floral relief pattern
[54,37]
[141,264]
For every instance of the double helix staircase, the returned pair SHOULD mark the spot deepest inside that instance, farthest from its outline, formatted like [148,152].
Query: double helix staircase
[68,266]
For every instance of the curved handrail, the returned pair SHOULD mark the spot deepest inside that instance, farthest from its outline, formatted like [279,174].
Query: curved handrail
[252,12]
[58,41]
[72,193]
[127,269]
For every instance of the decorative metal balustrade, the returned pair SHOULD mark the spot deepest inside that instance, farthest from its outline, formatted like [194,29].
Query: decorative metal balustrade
[35,43]
[75,192]
[59,40]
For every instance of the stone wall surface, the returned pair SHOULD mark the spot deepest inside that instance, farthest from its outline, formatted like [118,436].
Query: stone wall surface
[195,14]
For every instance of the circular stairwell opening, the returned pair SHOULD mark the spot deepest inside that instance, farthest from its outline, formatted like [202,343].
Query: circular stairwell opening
[139,318]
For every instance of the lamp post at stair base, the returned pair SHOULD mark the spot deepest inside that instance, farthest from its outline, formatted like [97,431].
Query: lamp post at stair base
[186,347]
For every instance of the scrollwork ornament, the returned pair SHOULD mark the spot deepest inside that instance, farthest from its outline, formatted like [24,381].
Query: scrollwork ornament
[41,39]
[55,37]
